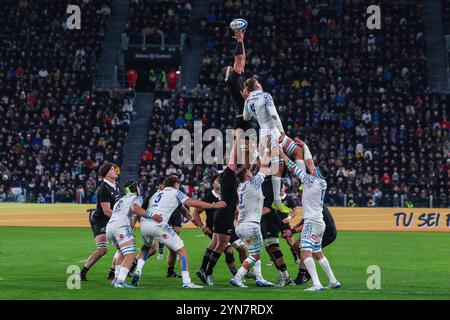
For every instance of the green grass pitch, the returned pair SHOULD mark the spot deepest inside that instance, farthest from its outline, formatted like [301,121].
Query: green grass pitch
[33,264]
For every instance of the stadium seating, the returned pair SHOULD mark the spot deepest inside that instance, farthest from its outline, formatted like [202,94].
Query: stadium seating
[150,17]
[358,97]
[446,15]
[55,129]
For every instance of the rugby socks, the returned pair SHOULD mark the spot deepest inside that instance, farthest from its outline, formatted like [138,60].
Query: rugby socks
[276,185]
[303,274]
[294,254]
[283,271]
[229,258]
[160,248]
[240,274]
[133,266]
[311,267]
[123,274]
[257,270]
[186,277]
[140,265]
[212,262]
[326,267]
[84,271]
[117,270]
[206,258]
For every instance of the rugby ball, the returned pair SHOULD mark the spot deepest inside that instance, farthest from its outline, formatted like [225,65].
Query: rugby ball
[238,24]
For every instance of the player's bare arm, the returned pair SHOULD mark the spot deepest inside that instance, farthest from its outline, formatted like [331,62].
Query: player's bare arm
[199,222]
[205,205]
[239,55]
[187,214]
[106,206]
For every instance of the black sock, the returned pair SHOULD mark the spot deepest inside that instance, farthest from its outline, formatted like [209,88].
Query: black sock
[294,254]
[160,248]
[212,262]
[283,267]
[170,270]
[233,271]
[301,273]
[133,266]
[112,272]
[206,258]
[85,270]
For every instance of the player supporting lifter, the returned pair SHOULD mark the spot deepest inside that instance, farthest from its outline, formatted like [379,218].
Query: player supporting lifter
[260,105]
[214,196]
[270,229]
[223,218]
[107,195]
[251,200]
[314,226]
[119,231]
[164,203]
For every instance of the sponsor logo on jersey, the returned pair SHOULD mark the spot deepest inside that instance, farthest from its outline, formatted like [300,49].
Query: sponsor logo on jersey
[121,236]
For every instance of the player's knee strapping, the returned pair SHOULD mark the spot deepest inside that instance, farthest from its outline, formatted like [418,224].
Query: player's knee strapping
[271,241]
[102,245]
[229,257]
[251,261]
[128,250]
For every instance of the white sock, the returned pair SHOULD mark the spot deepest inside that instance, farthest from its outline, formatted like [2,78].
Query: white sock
[311,267]
[257,270]
[301,164]
[186,277]
[123,274]
[276,185]
[241,273]
[117,270]
[284,274]
[327,268]
[140,265]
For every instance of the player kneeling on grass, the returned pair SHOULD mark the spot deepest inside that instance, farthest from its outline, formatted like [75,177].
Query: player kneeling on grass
[251,201]
[119,231]
[314,226]
[163,204]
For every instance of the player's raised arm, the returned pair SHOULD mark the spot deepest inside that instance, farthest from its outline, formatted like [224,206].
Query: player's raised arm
[239,53]
[299,173]
[307,156]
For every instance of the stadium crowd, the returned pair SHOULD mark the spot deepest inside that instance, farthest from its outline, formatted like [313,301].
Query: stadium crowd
[358,97]
[150,18]
[446,15]
[55,128]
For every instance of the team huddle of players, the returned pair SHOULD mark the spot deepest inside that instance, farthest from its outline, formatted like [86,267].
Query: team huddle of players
[250,192]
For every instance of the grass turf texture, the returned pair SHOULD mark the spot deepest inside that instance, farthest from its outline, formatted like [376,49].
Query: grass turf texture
[33,264]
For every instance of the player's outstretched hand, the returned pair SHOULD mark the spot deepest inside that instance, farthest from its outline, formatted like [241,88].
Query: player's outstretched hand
[299,142]
[239,35]
[156,217]
[219,204]
[282,135]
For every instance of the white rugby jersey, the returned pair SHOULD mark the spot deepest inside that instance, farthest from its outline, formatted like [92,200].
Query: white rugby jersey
[259,105]
[164,202]
[313,195]
[122,212]
[251,199]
